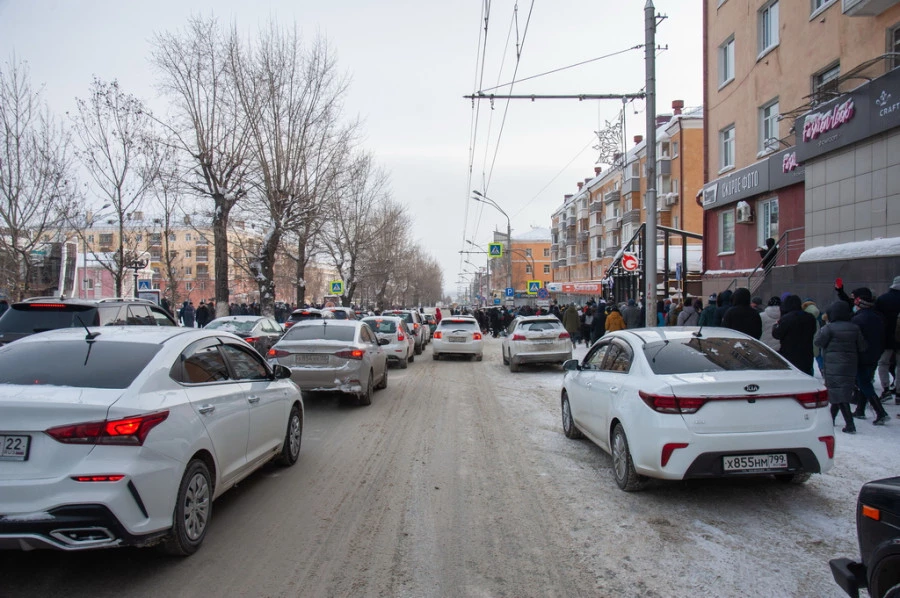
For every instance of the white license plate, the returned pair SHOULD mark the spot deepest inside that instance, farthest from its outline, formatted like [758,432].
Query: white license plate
[458,339]
[755,462]
[14,448]
[310,359]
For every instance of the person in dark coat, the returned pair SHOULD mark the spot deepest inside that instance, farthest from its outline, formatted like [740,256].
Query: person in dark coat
[164,303]
[598,325]
[723,304]
[889,306]
[768,254]
[572,322]
[841,342]
[741,316]
[795,330]
[707,316]
[187,314]
[871,324]
[202,315]
[632,315]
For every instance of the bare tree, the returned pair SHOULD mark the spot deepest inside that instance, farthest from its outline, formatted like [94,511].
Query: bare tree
[380,257]
[292,97]
[122,157]
[34,177]
[168,197]
[208,124]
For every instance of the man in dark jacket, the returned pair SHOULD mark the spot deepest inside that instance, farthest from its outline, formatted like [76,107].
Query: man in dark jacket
[632,315]
[889,306]
[709,312]
[841,343]
[723,304]
[598,325]
[796,330]
[202,315]
[742,317]
[871,324]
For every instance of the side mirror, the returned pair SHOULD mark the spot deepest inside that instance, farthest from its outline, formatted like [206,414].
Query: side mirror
[571,365]
[281,371]
[384,341]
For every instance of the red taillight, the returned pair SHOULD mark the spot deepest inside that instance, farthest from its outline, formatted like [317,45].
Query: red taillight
[353,354]
[400,336]
[438,334]
[564,335]
[415,326]
[670,404]
[129,431]
[98,478]
[277,353]
[829,445]
[813,400]
[47,305]
[476,336]
[518,337]
[288,324]
[251,339]
[667,451]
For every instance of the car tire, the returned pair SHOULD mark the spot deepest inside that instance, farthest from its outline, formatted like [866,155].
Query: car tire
[793,478]
[884,577]
[193,510]
[290,450]
[479,357]
[436,356]
[623,467]
[383,384]
[505,358]
[419,349]
[513,366]
[366,397]
[404,363]
[569,427]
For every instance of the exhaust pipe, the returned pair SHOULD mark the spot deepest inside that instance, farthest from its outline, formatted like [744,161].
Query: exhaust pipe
[83,537]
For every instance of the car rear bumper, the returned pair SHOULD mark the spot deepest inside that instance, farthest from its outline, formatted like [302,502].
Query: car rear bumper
[541,357]
[442,347]
[850,575]
[710,465]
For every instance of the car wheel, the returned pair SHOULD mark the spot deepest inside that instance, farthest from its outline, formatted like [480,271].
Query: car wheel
[569,427]
[793,478]
[884,579]
[623,467]
[404,363]
[513,366]
[435,356]
[412,356]
[419,349]
[290,450]
[505,359]
[366,397]
[479,357]
[383,384]
[193,509]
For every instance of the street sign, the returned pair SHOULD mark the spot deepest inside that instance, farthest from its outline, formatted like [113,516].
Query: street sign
[534,286]
[496,300]
[543,294]
[144,285]
[337,287]
[495,250]
[510,292]
[629,262]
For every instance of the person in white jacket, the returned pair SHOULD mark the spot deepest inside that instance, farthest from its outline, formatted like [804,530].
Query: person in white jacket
[770,315]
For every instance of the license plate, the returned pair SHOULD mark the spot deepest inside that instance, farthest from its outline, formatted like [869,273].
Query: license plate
[755,462]
[458,339]
[310,359]
[14,448]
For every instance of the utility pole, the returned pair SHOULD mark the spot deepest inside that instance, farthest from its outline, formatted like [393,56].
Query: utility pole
[650,198]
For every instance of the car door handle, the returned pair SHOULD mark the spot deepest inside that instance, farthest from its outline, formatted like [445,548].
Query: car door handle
[253,399]
[207,409]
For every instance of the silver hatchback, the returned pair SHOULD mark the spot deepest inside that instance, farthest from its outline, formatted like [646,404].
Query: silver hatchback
[333,356]
[535,339]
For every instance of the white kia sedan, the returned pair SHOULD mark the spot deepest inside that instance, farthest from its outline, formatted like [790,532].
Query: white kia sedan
[458,335]
[680,403]
[121,436]
[535,339]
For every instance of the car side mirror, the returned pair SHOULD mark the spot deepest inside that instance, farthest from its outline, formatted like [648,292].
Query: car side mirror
[281,371]
[571,365]
[384,341]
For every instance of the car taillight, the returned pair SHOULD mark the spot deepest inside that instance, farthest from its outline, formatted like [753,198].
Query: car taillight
[670,404]
[829,445]
[667,451]
[813,400]
[871,512]
[130,431]
[251,339]
[564,335]
[476,336]
[276,353]
[47,305]
[98,478]
[438,334]
[351,354]
[400,336]
[518,337]
[288,324]
[416,326]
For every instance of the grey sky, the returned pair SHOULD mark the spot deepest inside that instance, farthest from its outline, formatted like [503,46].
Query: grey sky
[410,63]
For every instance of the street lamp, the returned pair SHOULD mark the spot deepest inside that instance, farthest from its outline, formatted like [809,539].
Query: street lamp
[487,200]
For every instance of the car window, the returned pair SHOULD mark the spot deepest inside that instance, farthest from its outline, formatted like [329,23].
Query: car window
[320,332]
[113,315]
[160,317]
[245,365]
[541,325]
[618,359]
[232,325]
[269,325]
[458,325]
[366,335]
[34,318]
[710,354]
[75,363]
[594,359]
[205,364]
[382,326]
[139,315]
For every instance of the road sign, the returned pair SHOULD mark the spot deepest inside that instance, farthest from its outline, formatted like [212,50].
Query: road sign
[629,262]
[495,250]
[144,285]
[510,292]
[337,287]
[496,300]
[543,294]
[534,286]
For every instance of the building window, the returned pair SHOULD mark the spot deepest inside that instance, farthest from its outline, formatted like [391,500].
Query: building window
[202,271]
[634,172]
[674,149]
[825,82]
[187,237]
[546,268]
[188,270]
[768,27]
[139,237]
[726,147]
[155,254]
[726,231]
[546,252]
[767,215]
[188,286]
[528,251]
[106,239]
[768,127]
[172,237]
[528,269]
[202,240]
[187,253]
[663,149]
[155,238]
[893,45]
[726,61]
[819,6]
[202,254]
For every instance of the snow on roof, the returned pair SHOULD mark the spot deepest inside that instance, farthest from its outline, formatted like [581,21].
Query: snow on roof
[849,251]
[536,233]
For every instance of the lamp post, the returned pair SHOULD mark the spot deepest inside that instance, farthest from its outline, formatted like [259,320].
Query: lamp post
[137,264]
[487,200]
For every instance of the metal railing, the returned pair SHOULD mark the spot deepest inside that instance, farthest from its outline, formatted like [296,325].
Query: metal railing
[789,246]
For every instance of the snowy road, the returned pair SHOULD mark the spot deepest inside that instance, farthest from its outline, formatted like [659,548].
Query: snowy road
[458,481]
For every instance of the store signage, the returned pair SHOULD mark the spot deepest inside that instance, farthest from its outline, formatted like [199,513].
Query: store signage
[789,162]
[819,123]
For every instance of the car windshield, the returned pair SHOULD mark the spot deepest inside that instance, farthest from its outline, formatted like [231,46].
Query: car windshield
[321,332]
[232,325]
[383,326]
[43,317]
[710,354]
[305,315]
[77,363]
[459,325]
[340,314]
[540,325]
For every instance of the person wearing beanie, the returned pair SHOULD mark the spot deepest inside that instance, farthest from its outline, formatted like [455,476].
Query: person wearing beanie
[723,304]
[741,316]
[888,305]
[614,320]
[708,313]
[632,315]
[841,342]
[770,315]
[796,330]
[871,324]
[757,304]
[810,307]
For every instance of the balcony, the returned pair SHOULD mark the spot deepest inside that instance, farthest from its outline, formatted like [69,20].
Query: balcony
[570,221]
[583,212]
[583,236]
[614,223]
[561,263]
[596,230]
[664,166]
[554,246]
[632,217]
[632,185]
[866,8]
[596,206]
[582,258]
[612,196]
[610,251]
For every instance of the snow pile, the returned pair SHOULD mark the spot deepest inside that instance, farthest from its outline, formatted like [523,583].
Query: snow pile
[850,251]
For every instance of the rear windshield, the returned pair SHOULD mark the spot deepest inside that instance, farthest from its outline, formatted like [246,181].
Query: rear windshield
[405,315]
[459,324]
[713,354]
[75,363]
[323,332]
[305,315]
[340,314]
[383,326]
[232,325]
[540,325]
[42,317]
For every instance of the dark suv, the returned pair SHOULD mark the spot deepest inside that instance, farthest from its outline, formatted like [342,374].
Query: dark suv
[48,313]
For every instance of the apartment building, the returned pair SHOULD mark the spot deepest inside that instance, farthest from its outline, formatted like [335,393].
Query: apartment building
[529,257]
[802,143]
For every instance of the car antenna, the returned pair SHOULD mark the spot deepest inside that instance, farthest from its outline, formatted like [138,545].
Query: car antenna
[699,333]
[90,335]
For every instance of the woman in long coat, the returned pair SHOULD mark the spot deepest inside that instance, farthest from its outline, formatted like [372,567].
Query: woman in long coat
[841,342]
[572,322]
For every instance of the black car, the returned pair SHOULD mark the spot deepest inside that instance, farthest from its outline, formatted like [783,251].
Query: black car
[306,313]
[49,313]
[878,529]
[259,331]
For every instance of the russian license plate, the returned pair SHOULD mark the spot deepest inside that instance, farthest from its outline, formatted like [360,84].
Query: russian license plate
[14,448]
[458,339]
[310,358]
[755,462]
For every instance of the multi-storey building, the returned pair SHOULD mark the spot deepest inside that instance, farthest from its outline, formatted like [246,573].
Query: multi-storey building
[530,259]
[802,143]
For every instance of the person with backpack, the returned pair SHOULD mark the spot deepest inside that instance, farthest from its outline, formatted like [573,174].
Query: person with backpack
[690,315]
[795,331]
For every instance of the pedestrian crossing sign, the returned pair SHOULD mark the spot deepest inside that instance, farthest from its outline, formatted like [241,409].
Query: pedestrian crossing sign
[534,286]
[144,285]
[337,287]
[495,250]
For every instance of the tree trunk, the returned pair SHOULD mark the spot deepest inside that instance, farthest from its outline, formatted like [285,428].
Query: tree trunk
[264,271]
[220,240]
[301,271]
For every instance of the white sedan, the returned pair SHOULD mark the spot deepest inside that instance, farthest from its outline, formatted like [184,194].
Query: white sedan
[121,436]
[458,335]
[680,403]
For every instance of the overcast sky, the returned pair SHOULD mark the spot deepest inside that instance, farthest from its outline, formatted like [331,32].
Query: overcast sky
[410,63]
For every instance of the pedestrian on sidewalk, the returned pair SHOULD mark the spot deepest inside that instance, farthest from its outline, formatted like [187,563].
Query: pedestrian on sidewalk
[841,342]
[871,324]
[889,306]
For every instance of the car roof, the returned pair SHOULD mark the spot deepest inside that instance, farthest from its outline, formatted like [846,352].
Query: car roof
[387,317]
[131,334]
[239,318]
[546,318]
[329,323]
[662,333]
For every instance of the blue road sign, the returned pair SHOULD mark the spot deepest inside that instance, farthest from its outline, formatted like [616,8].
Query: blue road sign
[337,287]
[144,285]
[534,286]
[496,300]
[510,292]
[543,294]
[495,249]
